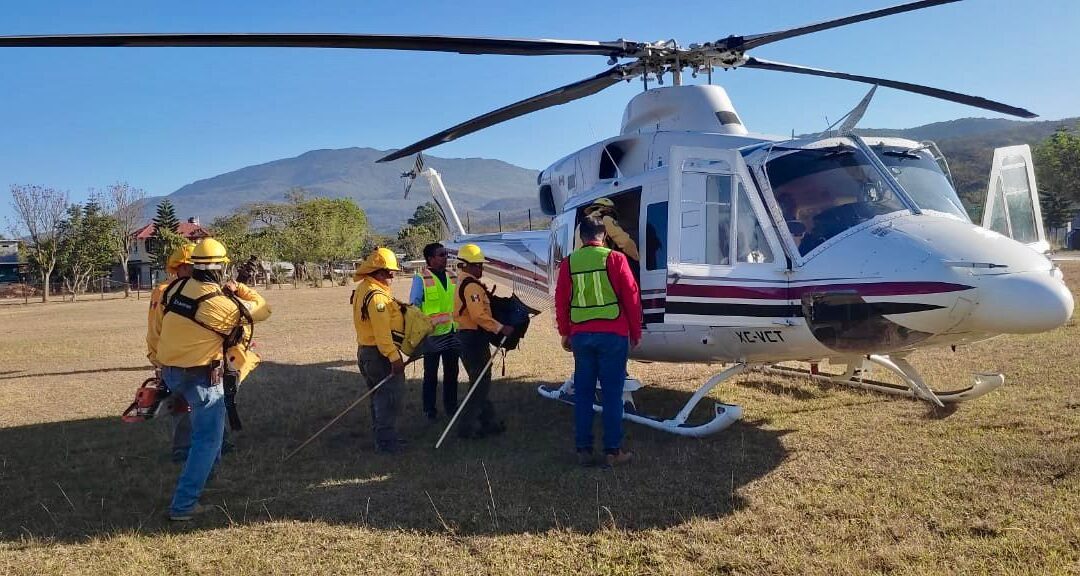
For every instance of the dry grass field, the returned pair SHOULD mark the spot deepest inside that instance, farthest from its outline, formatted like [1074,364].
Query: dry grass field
[815,479]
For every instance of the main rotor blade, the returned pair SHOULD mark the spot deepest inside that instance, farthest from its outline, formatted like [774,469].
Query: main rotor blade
[755,40]
[459,44]
[561,95]
[975,101]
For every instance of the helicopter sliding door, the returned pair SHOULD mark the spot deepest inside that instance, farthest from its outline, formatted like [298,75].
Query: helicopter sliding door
[725,262]
[1012,199]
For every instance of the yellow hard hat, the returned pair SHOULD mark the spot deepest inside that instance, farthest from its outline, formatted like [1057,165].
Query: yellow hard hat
[600,204]
[180,256]
[472,254]
[380,259]
[209,253]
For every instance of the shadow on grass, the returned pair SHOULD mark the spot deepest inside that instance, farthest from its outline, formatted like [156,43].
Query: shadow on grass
[22,374]
[82,479]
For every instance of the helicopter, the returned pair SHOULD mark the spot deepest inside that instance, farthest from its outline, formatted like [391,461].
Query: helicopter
[755,250]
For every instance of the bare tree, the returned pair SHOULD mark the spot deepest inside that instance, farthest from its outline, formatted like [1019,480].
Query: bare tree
[39,213]
[125,204]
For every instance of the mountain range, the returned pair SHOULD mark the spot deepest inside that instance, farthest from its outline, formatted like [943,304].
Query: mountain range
[483,186]
[474,184]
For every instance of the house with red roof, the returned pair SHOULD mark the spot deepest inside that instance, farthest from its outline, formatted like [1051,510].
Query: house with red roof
[141,260]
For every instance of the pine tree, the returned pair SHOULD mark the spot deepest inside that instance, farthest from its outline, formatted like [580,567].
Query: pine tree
[166,216]
[166,233]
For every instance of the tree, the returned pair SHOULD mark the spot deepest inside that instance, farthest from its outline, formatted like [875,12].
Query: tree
[1057,171]
[412,240]
[427,215]
[326,231]
[85,251]
[166,236]
[124,204]
[39,212]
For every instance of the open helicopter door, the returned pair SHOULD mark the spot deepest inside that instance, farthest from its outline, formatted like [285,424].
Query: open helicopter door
[725,264]
[1012,198]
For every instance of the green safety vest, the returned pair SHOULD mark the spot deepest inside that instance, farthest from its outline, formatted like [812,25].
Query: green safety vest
[438,302]
[593,297]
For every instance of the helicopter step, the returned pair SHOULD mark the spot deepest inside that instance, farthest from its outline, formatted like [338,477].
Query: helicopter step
[914,386]
[724,415]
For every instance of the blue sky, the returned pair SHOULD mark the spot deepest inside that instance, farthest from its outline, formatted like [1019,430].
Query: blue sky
[160,118]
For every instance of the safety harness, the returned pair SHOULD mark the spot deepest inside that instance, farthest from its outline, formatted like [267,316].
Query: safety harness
[188,307]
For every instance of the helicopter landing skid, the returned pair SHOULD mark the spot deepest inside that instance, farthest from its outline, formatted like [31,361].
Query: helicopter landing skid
[915,387]
[724,415]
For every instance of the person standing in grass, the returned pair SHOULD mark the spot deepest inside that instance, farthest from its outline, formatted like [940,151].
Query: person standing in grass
[177,266]
[433,292]
[204,314]
[598,313]
[376,316]
[472,313]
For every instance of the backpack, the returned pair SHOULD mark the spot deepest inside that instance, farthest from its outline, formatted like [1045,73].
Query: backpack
[506,310]
[412,339]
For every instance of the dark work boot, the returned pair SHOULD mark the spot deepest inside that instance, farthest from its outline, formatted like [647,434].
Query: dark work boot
[617,458]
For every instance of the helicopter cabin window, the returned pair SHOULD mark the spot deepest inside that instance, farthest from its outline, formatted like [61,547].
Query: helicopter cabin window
[656,219]
[824,191]
[610,156]
[750,243]
[706,219]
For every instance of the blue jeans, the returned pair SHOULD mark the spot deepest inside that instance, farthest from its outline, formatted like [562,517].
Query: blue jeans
[599,355]
[207,427]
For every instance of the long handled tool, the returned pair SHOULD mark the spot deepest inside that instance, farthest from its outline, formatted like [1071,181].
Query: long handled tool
[469,395]
[346,410]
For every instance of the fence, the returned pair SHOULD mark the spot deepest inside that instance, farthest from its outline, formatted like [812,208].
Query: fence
[505,221]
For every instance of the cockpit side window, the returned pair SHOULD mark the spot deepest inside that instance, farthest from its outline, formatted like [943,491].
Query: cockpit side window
[824,191]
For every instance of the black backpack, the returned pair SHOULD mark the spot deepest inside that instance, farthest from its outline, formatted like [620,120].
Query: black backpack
[506,310]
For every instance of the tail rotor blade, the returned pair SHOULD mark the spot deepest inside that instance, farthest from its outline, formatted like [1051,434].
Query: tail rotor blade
[976,101]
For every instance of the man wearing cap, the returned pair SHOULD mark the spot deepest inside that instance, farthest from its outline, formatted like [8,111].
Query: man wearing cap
[433,292]
[604,210]
[178,265]
[200,317]
[598,314]
[472,313]
[376,315]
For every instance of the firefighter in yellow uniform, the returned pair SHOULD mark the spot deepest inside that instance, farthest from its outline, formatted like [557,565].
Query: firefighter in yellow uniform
[617,238]
[199,322]
[376,316]
[472,313]
[177,266]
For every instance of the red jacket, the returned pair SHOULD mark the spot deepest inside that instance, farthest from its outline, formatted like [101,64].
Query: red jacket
[622,281]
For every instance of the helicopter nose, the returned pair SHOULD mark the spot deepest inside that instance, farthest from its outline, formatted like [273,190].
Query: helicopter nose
[1021,303]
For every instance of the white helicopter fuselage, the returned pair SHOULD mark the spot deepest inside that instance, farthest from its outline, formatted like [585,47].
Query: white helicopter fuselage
[759,250]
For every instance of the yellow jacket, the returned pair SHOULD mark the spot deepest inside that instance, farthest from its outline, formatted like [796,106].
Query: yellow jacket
[383,317]
[477,312]
[185,344]
[616,238]
[154,316]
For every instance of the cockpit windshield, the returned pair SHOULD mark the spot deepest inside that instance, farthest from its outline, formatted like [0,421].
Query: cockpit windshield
[922,179]
[825,190]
